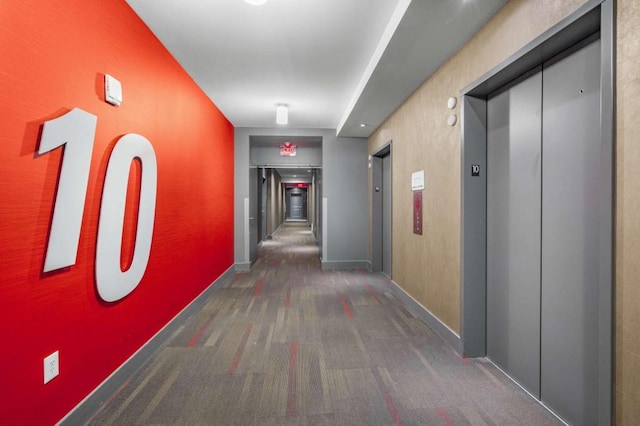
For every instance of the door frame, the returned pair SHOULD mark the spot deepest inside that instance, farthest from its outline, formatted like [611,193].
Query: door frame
[593,16]
[377,224]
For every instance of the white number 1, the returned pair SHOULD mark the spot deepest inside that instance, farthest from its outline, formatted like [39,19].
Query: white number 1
[76,132]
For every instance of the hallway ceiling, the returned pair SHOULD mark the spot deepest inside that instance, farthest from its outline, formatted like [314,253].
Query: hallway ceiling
[335,63]
[295,174]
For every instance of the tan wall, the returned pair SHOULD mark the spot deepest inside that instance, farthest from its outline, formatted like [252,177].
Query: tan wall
[428,266]
[628,214]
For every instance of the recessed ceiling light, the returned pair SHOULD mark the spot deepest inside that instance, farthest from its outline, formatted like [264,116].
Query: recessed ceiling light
[256,2]
[363,124]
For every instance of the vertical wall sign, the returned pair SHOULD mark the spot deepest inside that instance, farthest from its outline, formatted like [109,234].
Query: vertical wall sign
[75,131]
[417,180]
[417,212]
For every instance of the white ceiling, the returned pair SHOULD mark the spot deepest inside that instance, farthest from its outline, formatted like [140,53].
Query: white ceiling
[336,63]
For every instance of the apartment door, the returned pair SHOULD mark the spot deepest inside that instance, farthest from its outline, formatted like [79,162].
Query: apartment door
[254,207]
[296,206]
[381,210]
[296,199]
[386,215]
[543,183]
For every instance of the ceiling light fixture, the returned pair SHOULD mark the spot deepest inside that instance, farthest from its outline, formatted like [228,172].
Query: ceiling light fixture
[363,124]
[282,114]
[256,2]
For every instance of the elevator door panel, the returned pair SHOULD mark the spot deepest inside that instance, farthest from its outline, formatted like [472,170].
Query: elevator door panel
[570,234]
[513,230]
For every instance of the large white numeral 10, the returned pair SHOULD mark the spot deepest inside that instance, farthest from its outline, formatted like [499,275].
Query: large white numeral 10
[76,131]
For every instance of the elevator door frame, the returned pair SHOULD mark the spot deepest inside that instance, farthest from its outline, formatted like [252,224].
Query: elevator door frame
[594,16]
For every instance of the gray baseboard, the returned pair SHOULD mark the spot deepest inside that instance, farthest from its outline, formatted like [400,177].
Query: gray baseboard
[87,408]
[243,267]
[427,317]
[346,264]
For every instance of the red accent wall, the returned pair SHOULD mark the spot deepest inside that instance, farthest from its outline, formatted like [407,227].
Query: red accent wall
[53,55]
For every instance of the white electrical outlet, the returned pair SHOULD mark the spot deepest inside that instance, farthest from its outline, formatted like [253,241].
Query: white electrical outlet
[51,367]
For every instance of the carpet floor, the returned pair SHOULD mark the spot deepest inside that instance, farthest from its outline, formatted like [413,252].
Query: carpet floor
[291,344]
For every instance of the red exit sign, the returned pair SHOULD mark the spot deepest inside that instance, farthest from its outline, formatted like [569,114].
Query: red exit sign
[287,149]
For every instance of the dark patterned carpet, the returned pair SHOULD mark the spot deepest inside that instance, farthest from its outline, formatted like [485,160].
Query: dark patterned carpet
[290,344]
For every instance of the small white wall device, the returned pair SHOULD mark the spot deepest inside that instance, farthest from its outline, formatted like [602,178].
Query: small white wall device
[112,90]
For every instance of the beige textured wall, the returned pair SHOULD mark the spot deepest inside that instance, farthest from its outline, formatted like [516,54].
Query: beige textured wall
[628,214]
[428,266]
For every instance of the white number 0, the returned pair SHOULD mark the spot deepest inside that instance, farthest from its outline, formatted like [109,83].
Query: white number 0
[76,131]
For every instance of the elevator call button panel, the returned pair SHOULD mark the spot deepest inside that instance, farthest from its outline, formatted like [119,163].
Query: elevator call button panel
[417,212]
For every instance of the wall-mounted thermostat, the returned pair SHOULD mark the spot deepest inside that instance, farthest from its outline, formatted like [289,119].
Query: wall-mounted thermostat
[112,90]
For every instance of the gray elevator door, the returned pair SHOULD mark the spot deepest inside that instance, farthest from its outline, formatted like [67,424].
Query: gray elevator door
[513,230]
[543,183]
[570,234]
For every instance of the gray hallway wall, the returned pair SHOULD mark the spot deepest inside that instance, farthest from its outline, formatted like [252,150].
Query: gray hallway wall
[345,185]
[274,201]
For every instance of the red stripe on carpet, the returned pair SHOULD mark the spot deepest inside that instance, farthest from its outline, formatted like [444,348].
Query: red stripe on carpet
[391,406]
[445,417]
[393,410]
[238,355]
[259,285]
[462,359]
[287,299]
[116,393]
[293,365]
[372,292]
[345,305]
[196,337]
[109,401]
